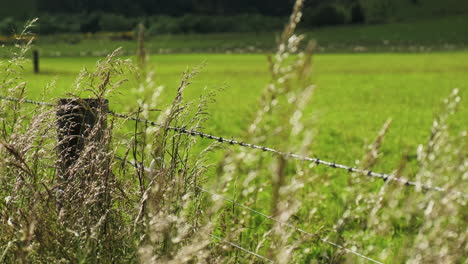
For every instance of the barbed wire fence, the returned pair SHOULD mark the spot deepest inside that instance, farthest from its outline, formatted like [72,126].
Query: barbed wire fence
[317,161]
[314,160]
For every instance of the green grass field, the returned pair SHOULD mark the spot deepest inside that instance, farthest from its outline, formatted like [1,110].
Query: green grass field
[355,94]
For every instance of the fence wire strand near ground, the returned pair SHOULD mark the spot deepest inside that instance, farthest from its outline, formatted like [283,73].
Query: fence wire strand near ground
[300,230]
[242,249]
[289,225]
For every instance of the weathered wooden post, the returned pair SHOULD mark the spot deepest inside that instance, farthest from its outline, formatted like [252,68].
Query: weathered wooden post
[77,121]
[36,61]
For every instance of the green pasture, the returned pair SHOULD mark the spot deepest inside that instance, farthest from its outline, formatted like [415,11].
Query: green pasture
[355,95]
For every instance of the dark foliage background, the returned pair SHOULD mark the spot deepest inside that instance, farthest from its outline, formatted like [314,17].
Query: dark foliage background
[210,16]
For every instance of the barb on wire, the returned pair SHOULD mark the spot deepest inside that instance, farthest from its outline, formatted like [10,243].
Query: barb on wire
[316,160]
[242,249]
[300,230]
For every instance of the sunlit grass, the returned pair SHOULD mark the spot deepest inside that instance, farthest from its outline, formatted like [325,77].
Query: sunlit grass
[355,93]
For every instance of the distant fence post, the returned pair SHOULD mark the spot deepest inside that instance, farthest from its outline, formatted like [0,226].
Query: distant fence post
[76,118]
[141,51]
[36,61]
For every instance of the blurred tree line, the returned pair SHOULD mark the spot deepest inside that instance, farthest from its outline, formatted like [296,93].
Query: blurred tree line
[134,8]
[205,16]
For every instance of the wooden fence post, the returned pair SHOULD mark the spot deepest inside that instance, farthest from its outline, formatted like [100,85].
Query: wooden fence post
[36,61]
[76,118]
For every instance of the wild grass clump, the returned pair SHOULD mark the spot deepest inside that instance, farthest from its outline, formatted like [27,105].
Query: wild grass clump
[144,193]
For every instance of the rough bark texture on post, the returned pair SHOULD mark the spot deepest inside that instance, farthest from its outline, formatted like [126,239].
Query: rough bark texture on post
[36,61]
[77,121]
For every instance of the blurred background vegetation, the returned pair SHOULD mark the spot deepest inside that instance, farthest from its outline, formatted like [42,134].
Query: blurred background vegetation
[211,16]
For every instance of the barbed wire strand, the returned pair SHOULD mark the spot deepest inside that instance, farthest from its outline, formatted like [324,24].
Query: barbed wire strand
[316,160]
[267,217]
[242,249]
[12,99]
[370,173]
